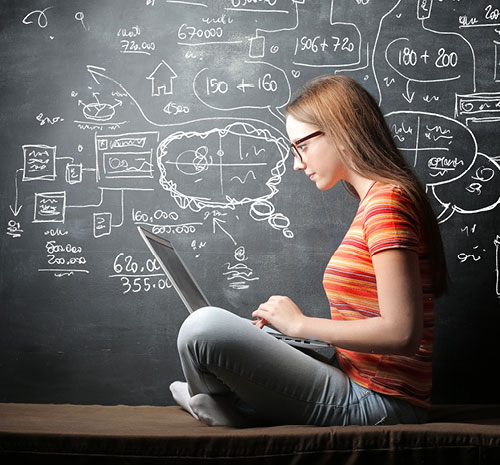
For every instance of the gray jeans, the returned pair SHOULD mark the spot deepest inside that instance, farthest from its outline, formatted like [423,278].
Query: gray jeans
[224,354]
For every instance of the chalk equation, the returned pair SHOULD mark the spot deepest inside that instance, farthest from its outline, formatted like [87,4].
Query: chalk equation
[178,124]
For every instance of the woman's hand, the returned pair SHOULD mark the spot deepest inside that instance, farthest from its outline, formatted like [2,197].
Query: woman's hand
[260,323]
[282,313]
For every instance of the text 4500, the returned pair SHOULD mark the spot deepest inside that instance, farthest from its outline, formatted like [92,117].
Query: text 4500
[144,283]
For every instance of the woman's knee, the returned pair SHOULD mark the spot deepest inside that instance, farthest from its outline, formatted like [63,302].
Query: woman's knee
[203,324]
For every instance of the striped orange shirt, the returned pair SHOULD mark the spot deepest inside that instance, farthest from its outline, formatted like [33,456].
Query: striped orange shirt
[386,218]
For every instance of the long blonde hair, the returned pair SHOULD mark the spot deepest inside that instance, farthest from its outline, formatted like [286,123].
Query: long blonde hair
[350,117]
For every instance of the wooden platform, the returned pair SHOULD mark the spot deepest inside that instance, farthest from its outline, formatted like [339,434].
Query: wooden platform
[70,434]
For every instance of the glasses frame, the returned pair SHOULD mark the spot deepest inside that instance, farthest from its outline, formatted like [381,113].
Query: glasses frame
[294,145]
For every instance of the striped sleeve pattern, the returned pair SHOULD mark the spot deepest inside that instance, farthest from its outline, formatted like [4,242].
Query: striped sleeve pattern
[385,219]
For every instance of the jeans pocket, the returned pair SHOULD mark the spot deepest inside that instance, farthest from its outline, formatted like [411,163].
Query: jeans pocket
[402,412]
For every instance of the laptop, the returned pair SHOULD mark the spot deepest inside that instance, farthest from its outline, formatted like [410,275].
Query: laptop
[188,289]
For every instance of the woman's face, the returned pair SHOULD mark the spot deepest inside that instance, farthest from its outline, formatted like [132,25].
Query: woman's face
[320,159]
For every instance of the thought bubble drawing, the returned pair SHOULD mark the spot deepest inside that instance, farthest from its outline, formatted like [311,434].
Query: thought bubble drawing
[439,148]
[475,192]
[229,165]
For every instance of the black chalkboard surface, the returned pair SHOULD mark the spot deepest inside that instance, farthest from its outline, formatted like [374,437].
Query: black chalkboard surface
[169,114]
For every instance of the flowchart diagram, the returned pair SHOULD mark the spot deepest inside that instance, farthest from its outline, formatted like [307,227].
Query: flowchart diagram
[192,113]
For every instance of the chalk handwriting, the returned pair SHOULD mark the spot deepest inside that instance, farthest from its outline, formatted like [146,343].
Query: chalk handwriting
[181,128]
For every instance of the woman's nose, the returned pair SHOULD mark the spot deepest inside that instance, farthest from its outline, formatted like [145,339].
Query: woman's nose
[298,164]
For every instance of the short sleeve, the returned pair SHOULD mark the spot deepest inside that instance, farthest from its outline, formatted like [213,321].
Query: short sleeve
[390,221]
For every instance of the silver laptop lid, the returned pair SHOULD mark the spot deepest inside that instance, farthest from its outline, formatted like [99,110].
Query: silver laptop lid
[175,269]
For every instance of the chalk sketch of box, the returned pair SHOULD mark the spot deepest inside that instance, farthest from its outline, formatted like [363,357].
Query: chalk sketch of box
[50,207]
[73,173]
[39,162]
[102,224]
[125,156]
[257,47]
[480,107]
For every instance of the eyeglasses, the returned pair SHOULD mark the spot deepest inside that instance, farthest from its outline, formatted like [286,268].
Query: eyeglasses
[295,146]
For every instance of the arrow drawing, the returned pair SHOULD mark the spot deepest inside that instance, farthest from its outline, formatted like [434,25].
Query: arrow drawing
[217,222]
[15,211]
[408,96]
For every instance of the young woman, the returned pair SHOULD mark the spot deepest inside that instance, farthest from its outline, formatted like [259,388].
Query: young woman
[380,283]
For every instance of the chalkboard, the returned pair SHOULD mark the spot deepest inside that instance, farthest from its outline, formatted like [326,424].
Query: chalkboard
[169,114]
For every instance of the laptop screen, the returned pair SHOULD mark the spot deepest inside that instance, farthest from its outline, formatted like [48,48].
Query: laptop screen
[176,271]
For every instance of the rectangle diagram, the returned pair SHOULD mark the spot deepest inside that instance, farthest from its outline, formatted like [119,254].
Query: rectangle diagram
[480,107]
[424,8]
[125,156]
[39,162]
[50,207]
